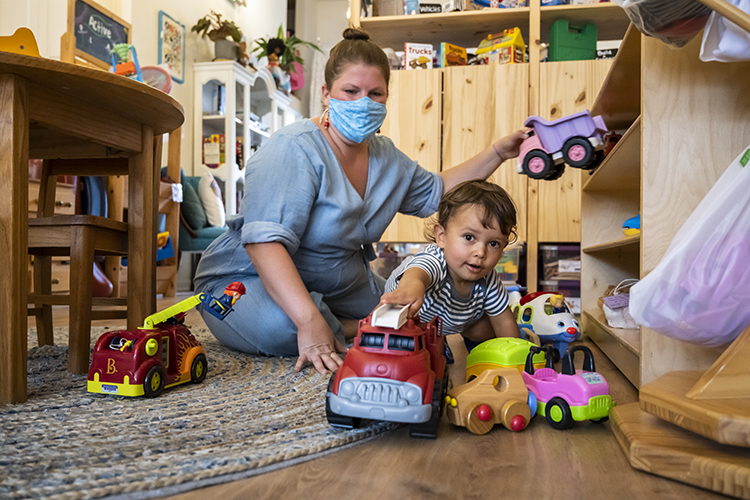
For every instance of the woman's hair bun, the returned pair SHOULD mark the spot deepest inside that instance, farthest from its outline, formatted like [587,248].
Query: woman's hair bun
[355,34]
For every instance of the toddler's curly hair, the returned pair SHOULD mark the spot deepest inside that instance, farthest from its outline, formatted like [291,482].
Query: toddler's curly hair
[498,207]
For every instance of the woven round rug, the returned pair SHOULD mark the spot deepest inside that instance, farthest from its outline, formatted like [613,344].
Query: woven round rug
[250,415]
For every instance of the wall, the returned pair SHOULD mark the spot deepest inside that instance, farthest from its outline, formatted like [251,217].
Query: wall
[48,20]
[320,22]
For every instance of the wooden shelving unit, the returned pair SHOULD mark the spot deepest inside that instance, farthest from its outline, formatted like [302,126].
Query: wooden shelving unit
[467,28]
[469,118]
[683,125]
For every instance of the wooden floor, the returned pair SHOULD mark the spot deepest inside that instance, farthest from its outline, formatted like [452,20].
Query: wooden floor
[584,462]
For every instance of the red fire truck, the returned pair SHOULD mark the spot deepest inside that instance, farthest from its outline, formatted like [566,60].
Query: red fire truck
[395,372]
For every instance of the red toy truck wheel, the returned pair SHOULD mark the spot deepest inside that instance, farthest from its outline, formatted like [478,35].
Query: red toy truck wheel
[537,164]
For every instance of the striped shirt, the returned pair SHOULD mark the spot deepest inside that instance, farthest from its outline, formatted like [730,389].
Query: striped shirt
[441,299]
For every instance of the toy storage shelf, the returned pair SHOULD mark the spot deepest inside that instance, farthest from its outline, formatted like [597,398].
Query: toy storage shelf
[685,121]
[610,19]
[467,28]
[549,211]
[243,105]
[609,197]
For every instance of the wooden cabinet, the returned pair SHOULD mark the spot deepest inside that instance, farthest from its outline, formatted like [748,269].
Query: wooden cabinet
[479,104]
[415,130]
[244,107]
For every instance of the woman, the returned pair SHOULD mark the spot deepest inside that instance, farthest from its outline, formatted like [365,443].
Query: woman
[317,195]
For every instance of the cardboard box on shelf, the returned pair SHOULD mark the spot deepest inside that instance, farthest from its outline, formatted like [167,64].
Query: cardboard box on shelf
[430,7]
[502,48]
[388,8]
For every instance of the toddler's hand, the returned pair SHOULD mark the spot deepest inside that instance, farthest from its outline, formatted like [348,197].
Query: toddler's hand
[411,296]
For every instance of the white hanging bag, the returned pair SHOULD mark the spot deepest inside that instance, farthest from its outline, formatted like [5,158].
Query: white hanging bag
[700,291]
[723,40]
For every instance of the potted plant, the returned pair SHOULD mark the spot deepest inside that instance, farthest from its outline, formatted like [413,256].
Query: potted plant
[224,33]
[283,50]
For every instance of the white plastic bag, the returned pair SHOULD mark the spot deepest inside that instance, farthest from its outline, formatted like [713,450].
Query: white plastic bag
[723,40]
[674,22]
[700,291]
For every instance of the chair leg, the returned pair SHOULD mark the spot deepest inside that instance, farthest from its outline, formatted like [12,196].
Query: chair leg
[43,286]
[81,290]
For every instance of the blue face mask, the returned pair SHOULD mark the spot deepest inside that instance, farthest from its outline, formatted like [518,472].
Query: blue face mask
[357,120]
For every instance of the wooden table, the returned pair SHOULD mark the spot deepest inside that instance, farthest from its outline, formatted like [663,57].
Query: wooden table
[50,110]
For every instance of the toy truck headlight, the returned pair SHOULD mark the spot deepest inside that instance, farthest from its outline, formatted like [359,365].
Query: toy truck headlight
[152,346]
[413,395]
[346,388]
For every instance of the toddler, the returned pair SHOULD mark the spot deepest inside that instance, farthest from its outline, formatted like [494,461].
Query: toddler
[455,278]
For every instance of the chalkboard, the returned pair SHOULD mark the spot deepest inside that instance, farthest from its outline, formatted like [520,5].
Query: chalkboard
[96,31]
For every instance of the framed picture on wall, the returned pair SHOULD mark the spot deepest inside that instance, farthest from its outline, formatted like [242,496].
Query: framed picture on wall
[172,46]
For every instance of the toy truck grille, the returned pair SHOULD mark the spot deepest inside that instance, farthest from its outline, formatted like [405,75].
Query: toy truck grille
[600,403]
[381,391]
[380,399]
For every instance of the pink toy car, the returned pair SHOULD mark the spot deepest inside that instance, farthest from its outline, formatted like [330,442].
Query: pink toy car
[577,140]
[567,396]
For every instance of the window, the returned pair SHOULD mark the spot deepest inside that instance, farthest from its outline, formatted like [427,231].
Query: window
[528,313]
[372,340]
[400,343]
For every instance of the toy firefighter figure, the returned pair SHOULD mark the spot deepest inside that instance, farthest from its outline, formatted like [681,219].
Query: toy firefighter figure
[231,293]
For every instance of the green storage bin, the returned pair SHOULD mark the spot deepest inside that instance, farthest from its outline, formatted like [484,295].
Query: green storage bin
[571,43]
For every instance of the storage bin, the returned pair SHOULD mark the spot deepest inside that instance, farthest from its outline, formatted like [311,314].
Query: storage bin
[507,266]
[572,43]
[560,261]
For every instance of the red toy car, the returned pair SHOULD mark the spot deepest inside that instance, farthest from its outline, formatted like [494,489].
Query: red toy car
[395,373]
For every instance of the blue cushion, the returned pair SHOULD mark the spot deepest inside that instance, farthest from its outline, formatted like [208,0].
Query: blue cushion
[192,207]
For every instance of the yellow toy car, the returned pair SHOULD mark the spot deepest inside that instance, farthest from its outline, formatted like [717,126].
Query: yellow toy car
[502,352]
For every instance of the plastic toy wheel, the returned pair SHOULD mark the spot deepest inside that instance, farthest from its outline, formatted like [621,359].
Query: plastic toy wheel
[153,384]
[599,420]
[598,158]
[557,172]
[337,420]
[537,164]
[558,414]
[429,429]
[578,152]
[478,422]
[199,369]
[533,403]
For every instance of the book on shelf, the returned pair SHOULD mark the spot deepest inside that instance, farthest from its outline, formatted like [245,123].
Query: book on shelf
[451,55]
[240,152]
[214,150]
[417,56]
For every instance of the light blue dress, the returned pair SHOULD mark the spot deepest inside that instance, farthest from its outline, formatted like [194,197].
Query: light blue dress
[297,194]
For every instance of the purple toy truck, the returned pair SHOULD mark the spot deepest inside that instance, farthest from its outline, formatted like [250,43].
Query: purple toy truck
[577,140]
